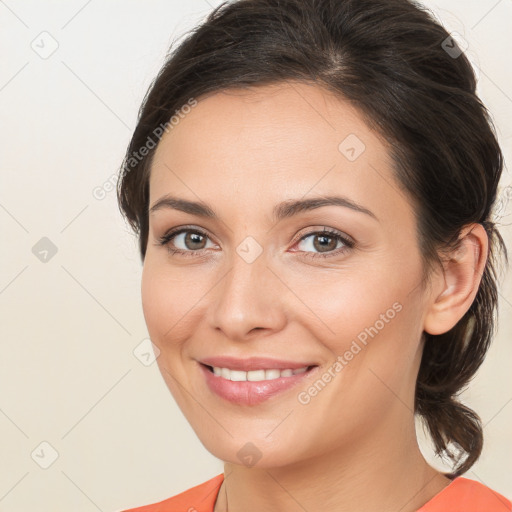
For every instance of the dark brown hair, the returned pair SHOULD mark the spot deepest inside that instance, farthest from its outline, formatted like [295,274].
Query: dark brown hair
[394,62]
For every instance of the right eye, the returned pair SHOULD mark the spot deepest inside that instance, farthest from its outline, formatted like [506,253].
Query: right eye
[191,240]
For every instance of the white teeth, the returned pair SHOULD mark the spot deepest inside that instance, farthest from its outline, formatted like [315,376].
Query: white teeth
[255,375]
[272,374]
[237,375]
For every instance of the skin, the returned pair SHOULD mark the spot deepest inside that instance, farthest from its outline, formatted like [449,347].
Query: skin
[353,446]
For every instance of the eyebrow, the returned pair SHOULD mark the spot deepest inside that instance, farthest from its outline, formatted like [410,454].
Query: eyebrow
[281,211]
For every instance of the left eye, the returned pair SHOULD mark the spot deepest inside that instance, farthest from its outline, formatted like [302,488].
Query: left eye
[320,241]
[325,242]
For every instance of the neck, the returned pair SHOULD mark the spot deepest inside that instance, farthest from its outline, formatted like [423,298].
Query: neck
[388,474]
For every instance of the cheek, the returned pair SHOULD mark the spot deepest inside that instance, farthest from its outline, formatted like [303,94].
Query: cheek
[371,320]
[172,300]
[151,295]
[345,305]
[166,320]
[160,301]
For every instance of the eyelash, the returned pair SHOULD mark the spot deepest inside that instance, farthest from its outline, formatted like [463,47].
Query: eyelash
[349,244]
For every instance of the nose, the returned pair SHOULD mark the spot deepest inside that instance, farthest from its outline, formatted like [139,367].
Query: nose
[249,298]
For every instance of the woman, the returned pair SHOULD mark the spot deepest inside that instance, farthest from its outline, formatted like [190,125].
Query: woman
[312,183]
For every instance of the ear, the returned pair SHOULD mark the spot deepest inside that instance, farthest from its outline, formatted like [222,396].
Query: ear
[456,287]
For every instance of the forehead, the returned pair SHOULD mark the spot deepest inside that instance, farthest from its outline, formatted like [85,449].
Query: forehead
[273,142]
[282,116]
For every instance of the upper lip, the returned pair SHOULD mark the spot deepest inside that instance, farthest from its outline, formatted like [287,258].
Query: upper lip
[253,363]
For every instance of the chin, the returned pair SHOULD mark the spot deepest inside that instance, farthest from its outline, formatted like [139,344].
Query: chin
[253,452]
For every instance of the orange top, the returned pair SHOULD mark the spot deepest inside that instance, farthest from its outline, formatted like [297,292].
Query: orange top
[461,495]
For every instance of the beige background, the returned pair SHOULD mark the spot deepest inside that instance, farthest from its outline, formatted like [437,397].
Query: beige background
[69,377]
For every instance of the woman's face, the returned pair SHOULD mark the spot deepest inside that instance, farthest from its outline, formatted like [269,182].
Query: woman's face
[257,279]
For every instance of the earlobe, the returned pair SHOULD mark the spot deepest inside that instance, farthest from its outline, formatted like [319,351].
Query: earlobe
[456,287]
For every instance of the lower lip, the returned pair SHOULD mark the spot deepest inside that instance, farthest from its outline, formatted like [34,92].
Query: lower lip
[251,393]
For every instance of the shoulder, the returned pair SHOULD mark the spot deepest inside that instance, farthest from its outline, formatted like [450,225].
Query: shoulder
[466,495]
[200,498]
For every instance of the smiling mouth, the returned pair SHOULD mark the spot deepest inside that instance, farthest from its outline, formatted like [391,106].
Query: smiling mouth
[258,383]
[259,375]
